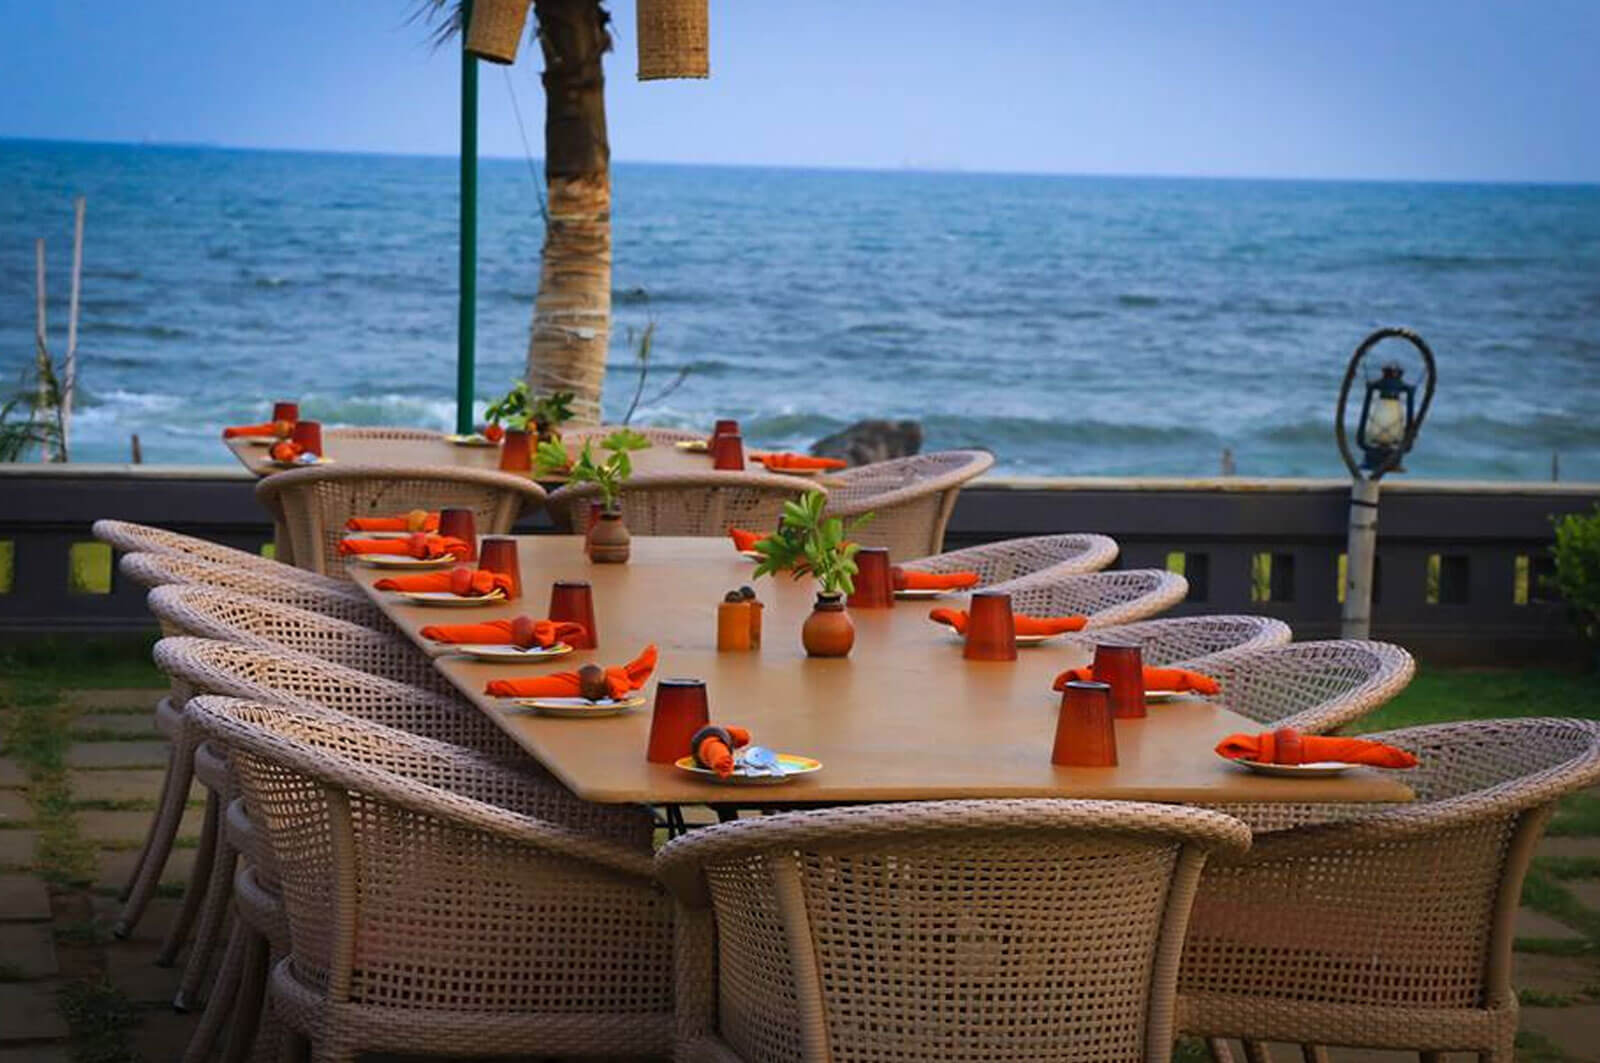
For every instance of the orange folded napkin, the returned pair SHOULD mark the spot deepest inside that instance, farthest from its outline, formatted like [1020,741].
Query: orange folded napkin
[1180,679]
[415,521]
[476,585]
[745,541]
[271,428]
[1024,625]
[713,747]
[418,545]
[1288,746]
[620,681]
[541,633]
[912,580]
[802,462]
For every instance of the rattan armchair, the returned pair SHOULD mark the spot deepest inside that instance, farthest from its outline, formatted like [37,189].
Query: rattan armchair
[945,930]
[127,537]
[1191,641]
[704,504]
[1010,559]
[1314,687]
[1387,927]
[432,910]
[380,432]
[659,437]
[314,503]
[910,498]
[342,601]
[1106,598]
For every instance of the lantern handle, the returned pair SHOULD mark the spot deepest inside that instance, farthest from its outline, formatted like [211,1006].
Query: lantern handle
[1344,397]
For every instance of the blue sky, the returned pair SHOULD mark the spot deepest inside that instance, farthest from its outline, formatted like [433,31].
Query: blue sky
[1427,89]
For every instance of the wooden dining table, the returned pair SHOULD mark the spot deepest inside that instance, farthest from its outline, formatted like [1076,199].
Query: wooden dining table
[903,717]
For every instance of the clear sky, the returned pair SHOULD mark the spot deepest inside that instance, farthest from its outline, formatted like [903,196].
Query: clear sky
[1452,89]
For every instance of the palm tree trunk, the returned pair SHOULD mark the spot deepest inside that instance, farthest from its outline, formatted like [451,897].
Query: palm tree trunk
[572,314]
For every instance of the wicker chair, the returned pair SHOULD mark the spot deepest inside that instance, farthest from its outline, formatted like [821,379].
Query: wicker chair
[945,930]
[432,909]
[1011,559]
[380,432]
[1200,642]
[910,498]
[1106,598]
[128,537]
[660,437]
[314,503]
[342,601]
[705,504]
[1386,927]
[1314,687]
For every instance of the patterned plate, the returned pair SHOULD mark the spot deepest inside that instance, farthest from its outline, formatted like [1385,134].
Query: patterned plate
[693,446]
[793,767]
[505,652]
[1317,770]
[581,707]
[404,561]
[922,595]
[451,600]
[473,440]
[376,534]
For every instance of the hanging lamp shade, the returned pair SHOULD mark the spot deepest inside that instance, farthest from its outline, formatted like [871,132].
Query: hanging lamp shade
[494,31]
[674,39]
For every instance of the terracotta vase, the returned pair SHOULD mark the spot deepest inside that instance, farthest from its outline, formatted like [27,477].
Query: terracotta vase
[516,453]
[828,631]
[609,541]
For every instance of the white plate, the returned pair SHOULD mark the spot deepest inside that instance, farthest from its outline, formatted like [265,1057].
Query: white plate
[796,472]
[450,599]
[276,464]
[1171,695]
[504,652]
[403,561]
[793,768]
[1022,640]
[259,441]
[922,595]
[576,707]
[473,440]
[750,554]
[348,534]
[693,446]
[1319,769]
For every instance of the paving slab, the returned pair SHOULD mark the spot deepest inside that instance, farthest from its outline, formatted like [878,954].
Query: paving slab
[1575,1030]
[1569,975]
[162,1033]
[1532,924]
[122,828]
[14,809]
[133,725]
[28,949]
[117,755]
[1570,848]
[126,784]
[28,1013]
[114,698]
[11,774]
[37,1054]
[23,896]
[16,848]
[113,868]
[1587,890]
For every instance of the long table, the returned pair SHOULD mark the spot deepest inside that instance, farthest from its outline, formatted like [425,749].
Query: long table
[904,717]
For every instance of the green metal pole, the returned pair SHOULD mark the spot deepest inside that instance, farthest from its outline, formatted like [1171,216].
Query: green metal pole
[467,312]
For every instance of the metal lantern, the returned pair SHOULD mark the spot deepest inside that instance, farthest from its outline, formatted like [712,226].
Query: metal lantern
[1387,415]
[674,39]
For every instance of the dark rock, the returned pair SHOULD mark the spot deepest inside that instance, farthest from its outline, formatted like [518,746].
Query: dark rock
[874,440]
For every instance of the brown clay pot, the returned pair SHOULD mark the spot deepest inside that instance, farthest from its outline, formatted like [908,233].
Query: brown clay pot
[516,454]
[828,631]
[609,541]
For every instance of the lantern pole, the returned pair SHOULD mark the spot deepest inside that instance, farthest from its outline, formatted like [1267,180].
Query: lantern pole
[1361,550]
[467,309]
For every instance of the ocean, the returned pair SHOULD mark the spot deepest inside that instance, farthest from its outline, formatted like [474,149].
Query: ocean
[1073,325]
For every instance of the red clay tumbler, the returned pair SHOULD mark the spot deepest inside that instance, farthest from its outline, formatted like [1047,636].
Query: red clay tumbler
[991,629]
[679,712]
[461,524]
[498,553]
[1086,733]
[874,588]
[574,600]
[1120,665]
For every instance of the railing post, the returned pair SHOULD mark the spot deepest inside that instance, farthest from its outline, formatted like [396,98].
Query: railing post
[1356,619]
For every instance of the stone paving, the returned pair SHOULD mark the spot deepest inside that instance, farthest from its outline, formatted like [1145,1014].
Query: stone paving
[72,817]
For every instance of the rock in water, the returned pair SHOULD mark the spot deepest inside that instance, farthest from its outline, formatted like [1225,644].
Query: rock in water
[868,441]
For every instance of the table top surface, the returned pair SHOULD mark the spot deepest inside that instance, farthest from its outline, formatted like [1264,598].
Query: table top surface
[904,717]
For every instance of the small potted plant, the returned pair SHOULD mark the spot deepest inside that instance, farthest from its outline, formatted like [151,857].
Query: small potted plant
[522,420]
[608,540]
[807,543]
[548,413]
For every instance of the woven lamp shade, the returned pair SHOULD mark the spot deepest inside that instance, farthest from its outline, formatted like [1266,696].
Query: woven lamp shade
[674,39]
[495,30]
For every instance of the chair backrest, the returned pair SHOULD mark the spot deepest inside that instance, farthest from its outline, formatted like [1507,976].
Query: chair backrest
[380,432]
[1014,558]
[314,503]
[1106,598]
[657,436]
[910,498]
[1192,641]
[127,537]
[341,600]
[704,504]
[212,613]
[1315,687]
[950,930]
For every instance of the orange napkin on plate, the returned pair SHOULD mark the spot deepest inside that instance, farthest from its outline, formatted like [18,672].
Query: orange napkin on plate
[418,545]
[1025,625]
[621,681]
[745,541]
[710,751]
[801,462]
[477,585]
[912,580]
[544,633]
[1179,679]
[406,522]
[1288,746]
[271,428]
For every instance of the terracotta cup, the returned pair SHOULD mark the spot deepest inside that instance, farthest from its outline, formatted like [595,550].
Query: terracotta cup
[498,553]
[308,435]
[991,630]
[874,587]
[1086,732]
[735,628]
[461,524]
[1120,666]
[680,710]
[727,426]
[286,411]
[516,453]
[727,452]
[573,600]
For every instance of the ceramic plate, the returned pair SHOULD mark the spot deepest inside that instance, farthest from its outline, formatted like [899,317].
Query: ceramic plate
[793,766]
[450,599]
[751,554]
[693,446]
[922,594]
[403,561]
[498,652]
[581,706]
[298,464]
[258,441]
[473,440]
[376,534]
[796,472]
[1022,640]
[1319,769]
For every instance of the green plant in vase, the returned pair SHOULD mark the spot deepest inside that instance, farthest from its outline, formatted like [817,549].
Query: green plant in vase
[519,411]
[808,543]
[1577,570]
[608,540]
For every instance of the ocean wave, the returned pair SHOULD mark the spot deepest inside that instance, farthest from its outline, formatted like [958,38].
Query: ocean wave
[117,328]
[1136,301]
[1438,262]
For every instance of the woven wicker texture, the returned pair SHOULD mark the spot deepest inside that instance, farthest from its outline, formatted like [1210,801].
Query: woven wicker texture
[378,432]
[1387,927]
[127,537]
[910,498]
[1106,598]
[575,438]
[704,504]
[674,39]
[313,504]
[495,30]
[432,910]
[341,601]
[1011,559]
[947,930]
[1313,686]
[1190,640]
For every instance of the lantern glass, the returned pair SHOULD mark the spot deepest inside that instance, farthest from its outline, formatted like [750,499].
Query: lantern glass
[1386,422]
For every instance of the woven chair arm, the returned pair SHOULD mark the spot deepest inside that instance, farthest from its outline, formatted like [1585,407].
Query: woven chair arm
[843,486]
[269,488]
[775,482]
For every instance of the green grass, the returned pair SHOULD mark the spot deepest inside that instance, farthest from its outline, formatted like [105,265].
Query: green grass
[1579,816]
[1536,1048]
[1437,695]
[58,662]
